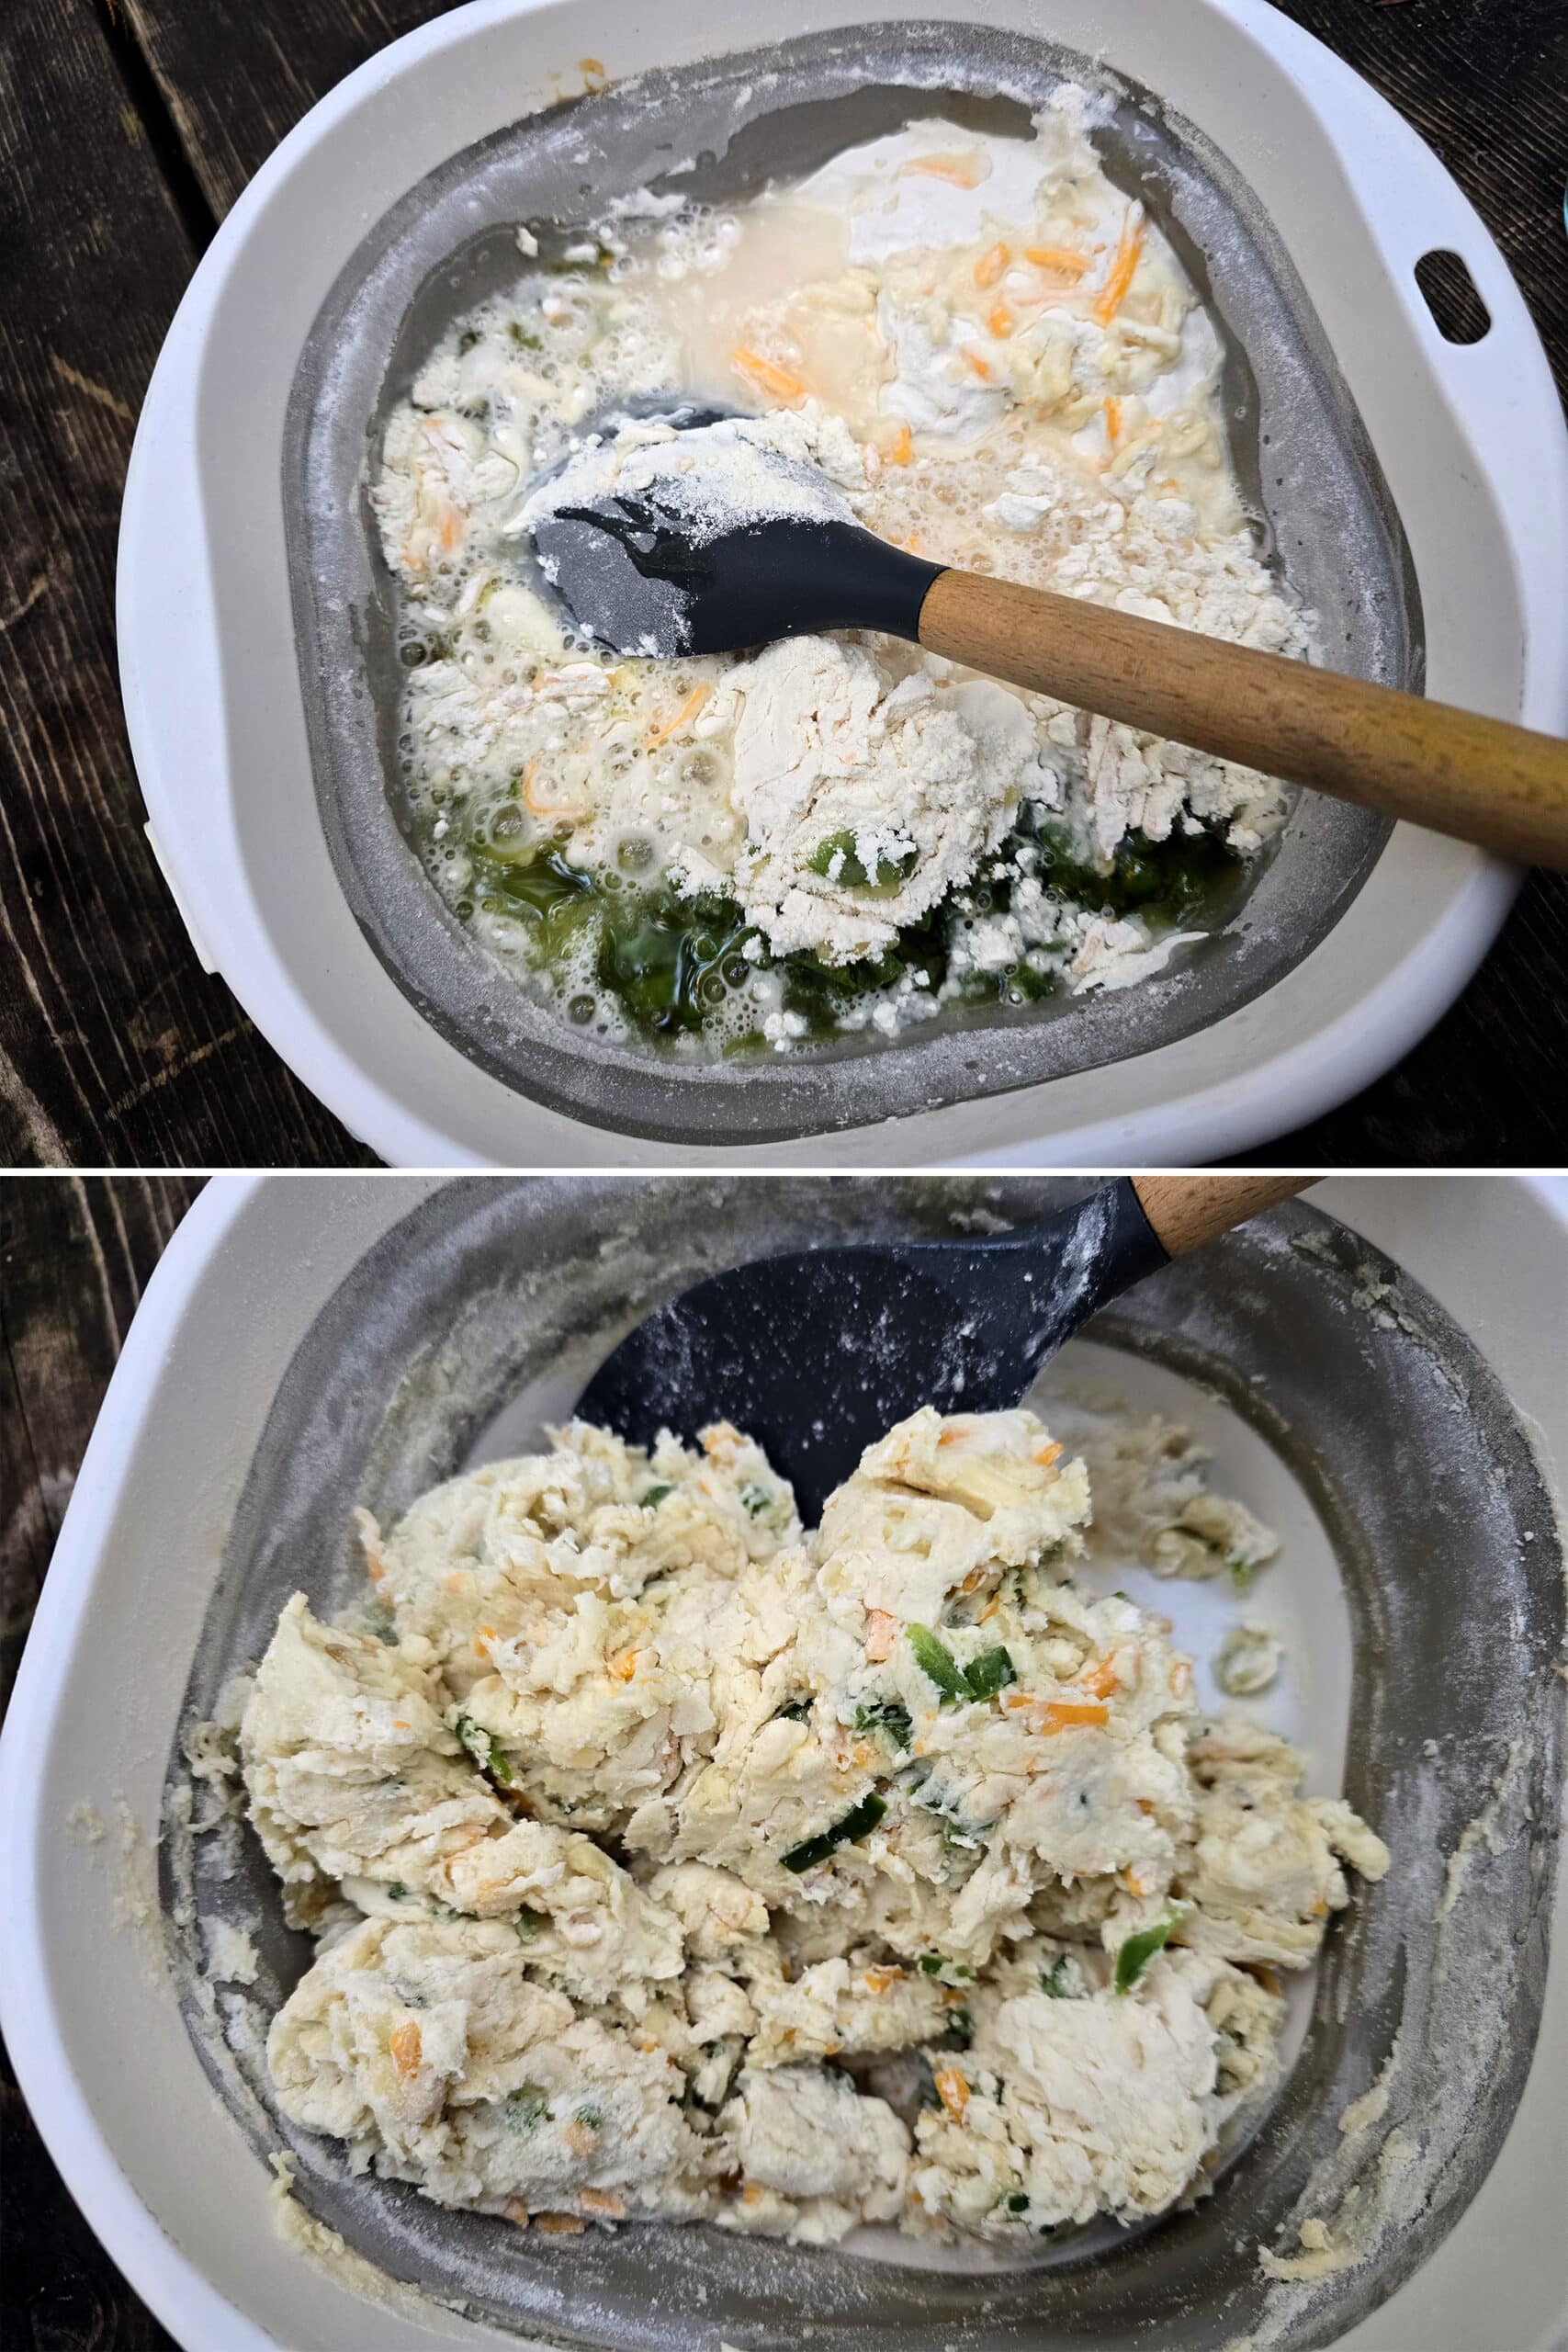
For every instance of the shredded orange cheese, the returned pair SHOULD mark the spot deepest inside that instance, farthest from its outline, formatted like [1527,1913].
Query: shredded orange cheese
[623,1666]
[952,2091]
[878,1980]
[679,719]
[603,2201]
[407,2049]
[561,2225]
[991,264]
[767,375]
[1104,1678]
[980,365]
[1058,258]
[1124,270]
[881,1635]
[515,2210]
[1113,419]
[1046,1454]
[538,801]
[962,171]
[1049,1715]
[903,447]
[1000,323]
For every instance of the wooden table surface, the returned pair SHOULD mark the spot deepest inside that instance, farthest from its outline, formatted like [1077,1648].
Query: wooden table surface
[128,128]
[76,1253]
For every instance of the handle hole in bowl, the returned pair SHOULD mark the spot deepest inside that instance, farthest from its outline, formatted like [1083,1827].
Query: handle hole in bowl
[1453,297]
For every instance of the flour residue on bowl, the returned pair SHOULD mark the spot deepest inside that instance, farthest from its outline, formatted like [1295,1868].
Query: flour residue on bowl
[995,360]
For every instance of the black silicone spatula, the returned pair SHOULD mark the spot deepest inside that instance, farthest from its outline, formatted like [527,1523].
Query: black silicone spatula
[818,1353]
[638,574]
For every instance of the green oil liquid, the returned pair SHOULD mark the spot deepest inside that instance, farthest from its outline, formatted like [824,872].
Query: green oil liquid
[670,962]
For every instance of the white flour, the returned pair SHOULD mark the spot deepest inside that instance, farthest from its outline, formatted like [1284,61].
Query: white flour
[716,477]
[912,786]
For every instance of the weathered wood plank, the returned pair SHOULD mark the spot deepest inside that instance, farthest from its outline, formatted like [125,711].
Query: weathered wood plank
[74,1257]
[236,78]
[115,1048]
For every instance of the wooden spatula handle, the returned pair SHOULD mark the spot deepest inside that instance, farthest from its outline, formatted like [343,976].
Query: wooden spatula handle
[1187,1210]
[1502,786]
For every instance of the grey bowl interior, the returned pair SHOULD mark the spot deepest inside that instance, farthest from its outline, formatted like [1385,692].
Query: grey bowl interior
[1320,506]
[496,1298]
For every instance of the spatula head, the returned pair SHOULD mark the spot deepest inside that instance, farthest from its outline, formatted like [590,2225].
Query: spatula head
[818,1354]
[637,575]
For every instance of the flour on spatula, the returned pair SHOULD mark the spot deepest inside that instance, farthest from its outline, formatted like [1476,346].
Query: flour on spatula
[709,480]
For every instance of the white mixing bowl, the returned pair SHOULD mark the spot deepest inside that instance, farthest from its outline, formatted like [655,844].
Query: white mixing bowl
[1470,441]
[292,1353]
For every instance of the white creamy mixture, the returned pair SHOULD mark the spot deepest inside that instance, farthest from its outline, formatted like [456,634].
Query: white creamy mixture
[996,361]
[666,1860]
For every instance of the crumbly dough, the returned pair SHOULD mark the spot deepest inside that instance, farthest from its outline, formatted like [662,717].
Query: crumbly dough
[930,1900]
[996,361]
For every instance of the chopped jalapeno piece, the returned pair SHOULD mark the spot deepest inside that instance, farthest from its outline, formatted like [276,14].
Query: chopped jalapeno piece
[859,1822]
[1138,1950]
[1063,1979]
[837,858]
[486,1751]
[524,2109]
[990,1672]
[888,1716]
[654,1496]
[756,1500]
[528,1923]
[938,1665]
[1019,2201]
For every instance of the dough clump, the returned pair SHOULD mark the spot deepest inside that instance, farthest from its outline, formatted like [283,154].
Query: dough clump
[668,1861]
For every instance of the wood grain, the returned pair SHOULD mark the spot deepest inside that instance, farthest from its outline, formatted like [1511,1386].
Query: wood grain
[115,1048]
[236,78]
[75,1255]
[122,136]
[1502,786]
[1187,1211]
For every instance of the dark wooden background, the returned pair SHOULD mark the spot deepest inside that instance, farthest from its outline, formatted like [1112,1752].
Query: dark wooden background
[127,129]
[76,1253]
